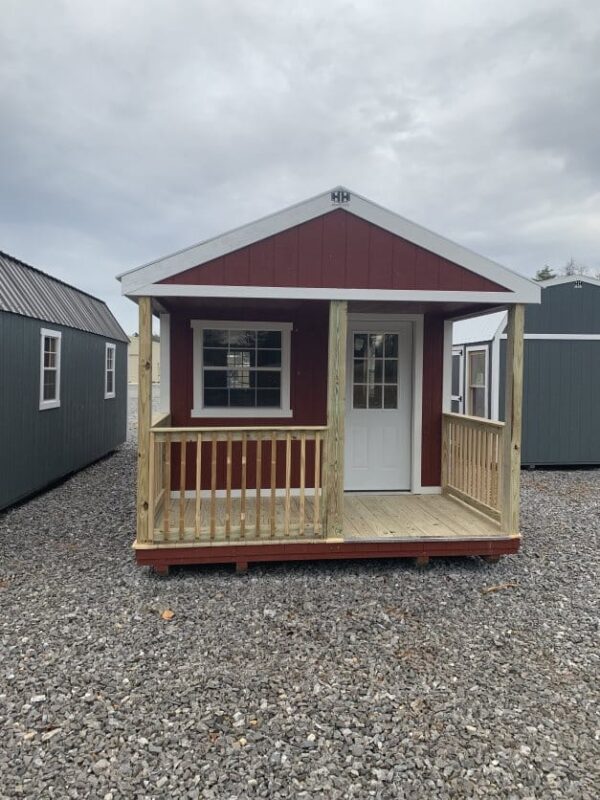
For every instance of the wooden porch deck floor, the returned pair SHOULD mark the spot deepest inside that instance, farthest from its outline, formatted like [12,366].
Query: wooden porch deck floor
[367,518]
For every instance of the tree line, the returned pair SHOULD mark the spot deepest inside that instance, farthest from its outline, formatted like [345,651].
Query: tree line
[572,267]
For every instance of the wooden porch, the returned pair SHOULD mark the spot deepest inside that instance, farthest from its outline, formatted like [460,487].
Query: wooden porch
[255,518]
[367,518]
[242,494]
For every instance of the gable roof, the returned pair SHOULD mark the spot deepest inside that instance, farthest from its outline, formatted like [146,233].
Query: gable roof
[478,329]
[142,280]
[562,279]
[29,292]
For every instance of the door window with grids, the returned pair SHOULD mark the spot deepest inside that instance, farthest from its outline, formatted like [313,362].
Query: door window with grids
[241,369]
[50,369]
[375,370]
[477,377]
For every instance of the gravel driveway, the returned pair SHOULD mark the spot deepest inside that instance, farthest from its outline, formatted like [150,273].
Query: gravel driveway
[331,680]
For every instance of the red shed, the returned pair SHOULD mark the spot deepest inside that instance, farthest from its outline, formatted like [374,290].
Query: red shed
[305,394]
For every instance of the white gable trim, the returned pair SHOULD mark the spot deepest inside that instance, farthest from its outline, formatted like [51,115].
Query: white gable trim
[520,288]
[561,337]
[569,279]
[300,293]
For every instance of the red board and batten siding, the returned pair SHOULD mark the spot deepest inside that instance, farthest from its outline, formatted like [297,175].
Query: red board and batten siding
[308,382]
[337,250]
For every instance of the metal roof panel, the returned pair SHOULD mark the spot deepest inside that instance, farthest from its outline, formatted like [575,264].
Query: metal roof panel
[30,292]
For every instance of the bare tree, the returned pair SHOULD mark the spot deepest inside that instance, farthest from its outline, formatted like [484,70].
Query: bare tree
[572,267]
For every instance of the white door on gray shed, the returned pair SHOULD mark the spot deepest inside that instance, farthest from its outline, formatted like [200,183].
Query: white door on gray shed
[378,406]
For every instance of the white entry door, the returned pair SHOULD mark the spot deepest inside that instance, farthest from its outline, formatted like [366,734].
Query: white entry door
[378,406]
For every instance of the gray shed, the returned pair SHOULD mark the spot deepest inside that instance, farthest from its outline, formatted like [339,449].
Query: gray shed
[63,379]
[561,381]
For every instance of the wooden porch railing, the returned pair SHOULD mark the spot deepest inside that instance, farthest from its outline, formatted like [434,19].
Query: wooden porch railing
[472,461]
[235,484]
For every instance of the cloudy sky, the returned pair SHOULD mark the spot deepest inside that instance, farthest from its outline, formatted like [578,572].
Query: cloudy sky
[133,128]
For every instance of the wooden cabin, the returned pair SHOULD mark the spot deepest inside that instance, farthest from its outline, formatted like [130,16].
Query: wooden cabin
[306,389]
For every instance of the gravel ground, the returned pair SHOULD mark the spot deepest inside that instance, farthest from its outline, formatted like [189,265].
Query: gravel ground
[330,680]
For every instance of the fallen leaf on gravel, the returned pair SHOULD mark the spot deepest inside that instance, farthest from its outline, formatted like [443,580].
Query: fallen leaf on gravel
[498,587]
[50,734]
[168,614]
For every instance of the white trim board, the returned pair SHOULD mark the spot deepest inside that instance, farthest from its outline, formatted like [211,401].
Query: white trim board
[561,337]
[528,295]
[134,281]
[562,279]
[495,378]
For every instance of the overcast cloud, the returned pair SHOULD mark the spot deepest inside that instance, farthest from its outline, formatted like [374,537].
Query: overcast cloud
[133,128]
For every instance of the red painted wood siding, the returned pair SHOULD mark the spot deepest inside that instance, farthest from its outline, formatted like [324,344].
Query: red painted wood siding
[308,388]
[433,365]
[337,250]
[308,358]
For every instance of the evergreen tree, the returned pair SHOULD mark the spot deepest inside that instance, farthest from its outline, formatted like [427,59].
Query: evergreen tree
[544,274]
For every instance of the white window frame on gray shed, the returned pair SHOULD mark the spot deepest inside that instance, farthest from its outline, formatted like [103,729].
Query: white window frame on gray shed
[110,348]
[54,402]
[469,351]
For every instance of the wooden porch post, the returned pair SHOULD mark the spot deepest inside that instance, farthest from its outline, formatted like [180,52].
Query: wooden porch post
[144,415]
[513,398]
[336,409]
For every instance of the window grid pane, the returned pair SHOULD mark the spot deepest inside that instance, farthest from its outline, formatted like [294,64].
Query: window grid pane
[49,385]
[50,368]
[375,370]
[477,369]
[241,368]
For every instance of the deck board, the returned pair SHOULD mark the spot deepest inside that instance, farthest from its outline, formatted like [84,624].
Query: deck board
[366,517]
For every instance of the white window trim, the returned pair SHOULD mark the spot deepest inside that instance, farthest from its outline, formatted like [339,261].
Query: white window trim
[199,410]
[460,397]
[467,389]
[55,403]
[109,346]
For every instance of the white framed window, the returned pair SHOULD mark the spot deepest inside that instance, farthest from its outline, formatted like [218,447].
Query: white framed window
[477,383]
[50,346]
[110,354]
[241,369]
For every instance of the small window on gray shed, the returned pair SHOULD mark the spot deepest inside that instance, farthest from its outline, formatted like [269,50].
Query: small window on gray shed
[49,369]
[109,370]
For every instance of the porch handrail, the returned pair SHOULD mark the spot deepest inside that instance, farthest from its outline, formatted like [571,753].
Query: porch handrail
[241,429]
[220,484]
[472,456]
[160,418]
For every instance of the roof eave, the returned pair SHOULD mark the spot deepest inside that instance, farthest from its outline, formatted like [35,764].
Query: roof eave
[154,272]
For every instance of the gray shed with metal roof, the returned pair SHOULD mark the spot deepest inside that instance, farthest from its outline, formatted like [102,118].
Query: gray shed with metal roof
[561,372]
[63,380]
